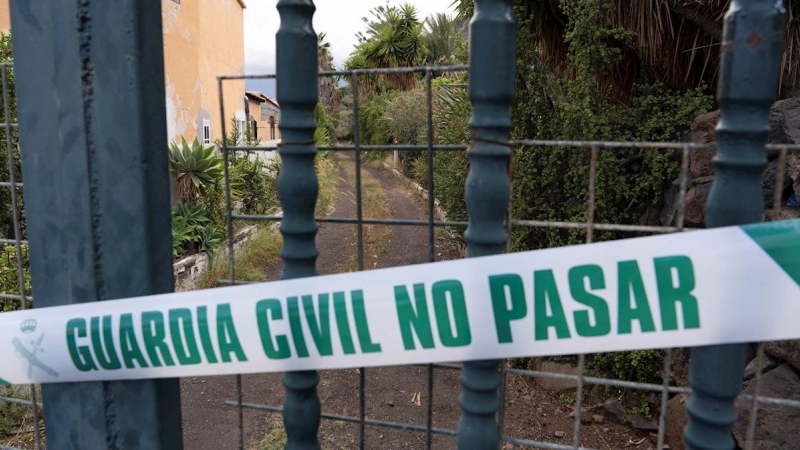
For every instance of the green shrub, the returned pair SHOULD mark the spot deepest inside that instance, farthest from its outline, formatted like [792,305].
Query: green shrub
[450,168]
[552,183]
[254,184]
[406,117]
[373,126]
[212,201]
[642,366]
[325,133]
[419,171]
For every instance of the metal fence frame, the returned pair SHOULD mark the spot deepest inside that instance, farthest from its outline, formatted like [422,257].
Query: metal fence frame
[491,88]
[593,147]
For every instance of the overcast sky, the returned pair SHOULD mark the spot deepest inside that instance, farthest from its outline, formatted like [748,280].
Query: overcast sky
[340,20]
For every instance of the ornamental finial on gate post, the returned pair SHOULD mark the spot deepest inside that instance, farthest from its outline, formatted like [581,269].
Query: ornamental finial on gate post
[750,66]
[488,190]
[297,92]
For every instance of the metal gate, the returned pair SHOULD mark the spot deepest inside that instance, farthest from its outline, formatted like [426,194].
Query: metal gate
[78,79]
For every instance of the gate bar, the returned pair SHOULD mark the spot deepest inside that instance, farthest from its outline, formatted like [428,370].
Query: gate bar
[90,89]
[298,93]
[750,67]
[488,191]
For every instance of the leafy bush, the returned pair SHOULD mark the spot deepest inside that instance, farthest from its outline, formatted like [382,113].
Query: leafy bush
[406,117]
[552,183]
[640,365]
[372,124]
[643,366]
[452,110]
[325,133]
[196,168]
[419,171]
[254,184]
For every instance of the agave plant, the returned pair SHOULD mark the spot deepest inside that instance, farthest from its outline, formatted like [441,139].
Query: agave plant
[189,229]
[210,239]
[196,167]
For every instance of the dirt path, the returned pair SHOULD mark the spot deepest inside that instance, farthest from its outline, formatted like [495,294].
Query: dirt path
[532,413]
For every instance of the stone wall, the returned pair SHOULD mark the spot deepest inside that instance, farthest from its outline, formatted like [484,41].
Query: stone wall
[785,129]
[778,427]
[189,268]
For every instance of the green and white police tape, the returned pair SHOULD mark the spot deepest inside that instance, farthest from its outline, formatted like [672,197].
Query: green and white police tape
[725,285]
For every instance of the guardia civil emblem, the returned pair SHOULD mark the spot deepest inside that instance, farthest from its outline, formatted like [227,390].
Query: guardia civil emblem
[28,327]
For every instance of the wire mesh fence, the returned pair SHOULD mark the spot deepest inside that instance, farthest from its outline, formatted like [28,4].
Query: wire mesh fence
[19,405]
[682,150]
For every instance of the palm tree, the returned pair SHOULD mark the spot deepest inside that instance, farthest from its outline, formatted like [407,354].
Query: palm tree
[443,38]
[394,38]
[677,41]
[328,93]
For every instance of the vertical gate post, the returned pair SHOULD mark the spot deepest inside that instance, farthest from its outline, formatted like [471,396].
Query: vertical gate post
[298,92]
[488,190]
[90,89]
[751,53]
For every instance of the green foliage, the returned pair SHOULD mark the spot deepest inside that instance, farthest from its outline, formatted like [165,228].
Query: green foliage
[643,366]
[211,238]
[193,230]
[180,233]
[9,275]
[639,365]
[373,126]
[419,171]
[406,117]
[212,201]
[239,136]
[451,116]
[325,132]
[552,183]
[254,184]
[443,40]
[6,217]
[394,38]
[195,167]
[567,398]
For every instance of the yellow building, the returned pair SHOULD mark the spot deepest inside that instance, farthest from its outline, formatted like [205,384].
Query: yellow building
[203,39]
[5,17]
[264,115]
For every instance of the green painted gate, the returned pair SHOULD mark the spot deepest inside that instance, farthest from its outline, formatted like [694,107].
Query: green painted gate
[89,78]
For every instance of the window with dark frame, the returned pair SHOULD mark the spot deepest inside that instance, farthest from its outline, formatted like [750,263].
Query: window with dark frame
[272,127]
[206,131]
